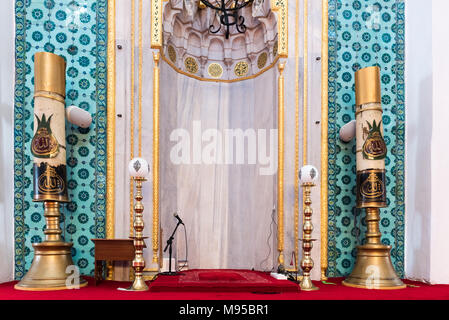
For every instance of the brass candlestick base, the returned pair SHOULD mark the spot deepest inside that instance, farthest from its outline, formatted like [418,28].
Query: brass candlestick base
[49,270]
[306,283]
[139,261]
[373,268]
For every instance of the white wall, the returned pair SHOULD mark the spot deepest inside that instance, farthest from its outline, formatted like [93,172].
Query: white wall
[427,156]
[418,84]
[439,250]
[122,151]
[6,140]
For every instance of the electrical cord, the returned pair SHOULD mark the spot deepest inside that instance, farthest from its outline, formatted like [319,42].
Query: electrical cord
[273,222]
[187,247]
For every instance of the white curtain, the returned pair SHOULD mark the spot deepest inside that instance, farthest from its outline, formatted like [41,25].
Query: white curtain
[227,208]
[6,134]
[234,200]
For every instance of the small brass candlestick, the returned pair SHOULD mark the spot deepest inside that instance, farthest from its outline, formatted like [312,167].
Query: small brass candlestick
[138,168]
[139,261]
[307,175]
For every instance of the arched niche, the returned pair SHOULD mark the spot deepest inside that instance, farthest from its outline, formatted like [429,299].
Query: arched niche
[213,89]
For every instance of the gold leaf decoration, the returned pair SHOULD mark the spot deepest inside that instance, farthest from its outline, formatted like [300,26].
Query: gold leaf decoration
[191,65]
[171,53]
[215,70]
[262,60]
[241,69]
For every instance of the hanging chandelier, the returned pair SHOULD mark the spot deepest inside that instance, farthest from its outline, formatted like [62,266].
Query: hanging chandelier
[228,11]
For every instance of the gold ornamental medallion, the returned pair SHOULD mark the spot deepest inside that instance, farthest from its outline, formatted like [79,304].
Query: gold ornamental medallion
[44,143]
[241,69]
[215,70]
[171,53]
[262,60]
[374,147]
[191,65]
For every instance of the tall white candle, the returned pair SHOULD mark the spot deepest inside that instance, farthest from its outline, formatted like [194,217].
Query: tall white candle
[48,143]
[370,145]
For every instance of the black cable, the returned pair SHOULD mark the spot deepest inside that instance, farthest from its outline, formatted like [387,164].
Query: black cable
[185,238]
[273,221]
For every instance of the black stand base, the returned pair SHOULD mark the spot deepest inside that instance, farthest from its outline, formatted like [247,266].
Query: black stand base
[169,247]
[171,273]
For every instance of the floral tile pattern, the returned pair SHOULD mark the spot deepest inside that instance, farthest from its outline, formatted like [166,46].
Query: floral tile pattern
[75,30]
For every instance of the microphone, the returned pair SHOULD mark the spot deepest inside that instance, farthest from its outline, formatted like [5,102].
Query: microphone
[177,217]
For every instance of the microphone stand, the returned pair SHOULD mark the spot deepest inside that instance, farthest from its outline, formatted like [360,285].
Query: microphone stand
[169,247]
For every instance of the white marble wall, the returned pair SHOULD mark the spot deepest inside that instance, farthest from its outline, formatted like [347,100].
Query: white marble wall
[427,98]
[176,195]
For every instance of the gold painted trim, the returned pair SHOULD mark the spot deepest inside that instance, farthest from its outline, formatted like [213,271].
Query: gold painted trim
[50,95]
[81,285]
[110,138]
[379,288]
[49,197]
[281,7]
[156,70]
[305,92]
[280,186]
[140,77]
[376,107]
[156,24]
[371,170]
[305,85]
[296,180]
[110,146]
[324,138]
[217,80]
[131,181]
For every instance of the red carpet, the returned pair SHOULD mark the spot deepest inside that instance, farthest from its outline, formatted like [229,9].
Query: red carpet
[212,280]
[107,290]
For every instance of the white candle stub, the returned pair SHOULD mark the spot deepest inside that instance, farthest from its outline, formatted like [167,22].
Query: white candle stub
[308,174]
[138,168]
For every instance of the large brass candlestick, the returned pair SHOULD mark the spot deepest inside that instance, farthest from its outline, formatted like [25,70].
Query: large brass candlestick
[307,175]
[138,168]
[373,268]
[52,260]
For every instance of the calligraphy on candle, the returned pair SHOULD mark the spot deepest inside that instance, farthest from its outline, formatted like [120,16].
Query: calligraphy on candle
[374,147]
[44,143]
[371,188]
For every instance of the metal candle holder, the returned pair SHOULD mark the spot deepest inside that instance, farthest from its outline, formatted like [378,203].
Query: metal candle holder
[373,268]
[52,262]
[139,243]
[307,241]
